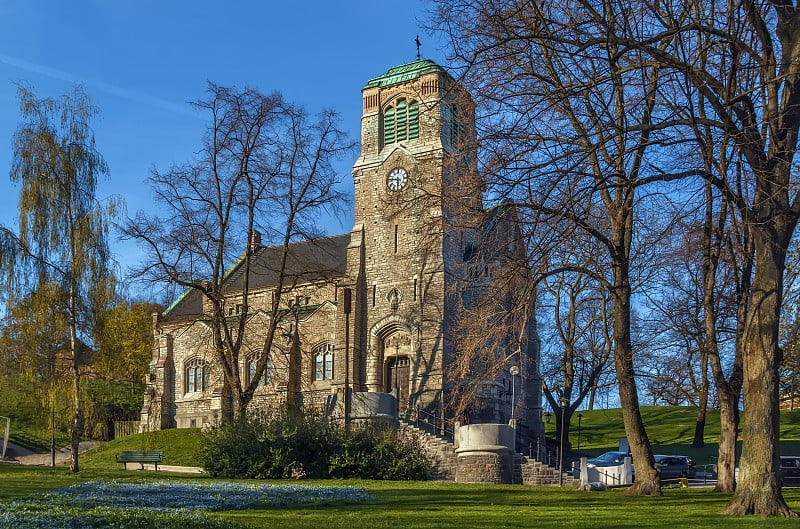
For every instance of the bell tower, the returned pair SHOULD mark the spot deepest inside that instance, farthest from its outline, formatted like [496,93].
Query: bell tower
[415,183]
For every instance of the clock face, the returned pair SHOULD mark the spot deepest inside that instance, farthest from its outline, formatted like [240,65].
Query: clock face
[397,179]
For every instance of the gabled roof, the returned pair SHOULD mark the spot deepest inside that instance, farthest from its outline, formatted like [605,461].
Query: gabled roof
[321,259]
[306,261]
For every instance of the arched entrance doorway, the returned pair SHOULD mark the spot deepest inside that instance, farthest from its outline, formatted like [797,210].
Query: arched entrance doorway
[397,366]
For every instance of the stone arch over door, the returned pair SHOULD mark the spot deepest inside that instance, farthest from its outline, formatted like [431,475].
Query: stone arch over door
[391,341]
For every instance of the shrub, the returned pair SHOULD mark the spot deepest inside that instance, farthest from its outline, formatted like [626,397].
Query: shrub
[301,445]
[284,444]
[379,452]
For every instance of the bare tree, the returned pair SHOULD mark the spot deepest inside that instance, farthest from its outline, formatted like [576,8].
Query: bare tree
[790,332]
[264,171]
[573,126]
[495,327]
[577,353]
[743,61]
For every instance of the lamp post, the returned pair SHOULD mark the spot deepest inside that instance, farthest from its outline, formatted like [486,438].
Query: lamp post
[564,403]
[547,417]
[580,418]
[514,372]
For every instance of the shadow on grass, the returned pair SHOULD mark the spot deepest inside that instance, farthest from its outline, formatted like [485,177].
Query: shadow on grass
[447,505]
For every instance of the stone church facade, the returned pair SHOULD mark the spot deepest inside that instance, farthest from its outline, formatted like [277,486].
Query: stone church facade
[372,313]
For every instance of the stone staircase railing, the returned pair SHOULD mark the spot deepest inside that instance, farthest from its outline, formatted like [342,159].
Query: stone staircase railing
[444,462]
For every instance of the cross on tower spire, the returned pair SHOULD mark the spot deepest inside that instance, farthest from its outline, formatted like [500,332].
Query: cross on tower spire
[418,43]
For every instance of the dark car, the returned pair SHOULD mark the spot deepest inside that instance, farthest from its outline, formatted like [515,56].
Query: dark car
[608,459]
[790,470]
[673,467]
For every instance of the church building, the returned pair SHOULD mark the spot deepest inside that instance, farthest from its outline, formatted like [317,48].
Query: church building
[369,323]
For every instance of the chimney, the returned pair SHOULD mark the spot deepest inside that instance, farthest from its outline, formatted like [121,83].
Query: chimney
[255,241]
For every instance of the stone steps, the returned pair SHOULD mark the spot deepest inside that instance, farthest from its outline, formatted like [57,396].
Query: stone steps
[441,453]
[532,472]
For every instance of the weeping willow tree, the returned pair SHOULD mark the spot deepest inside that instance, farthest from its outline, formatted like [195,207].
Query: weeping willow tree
[63,228]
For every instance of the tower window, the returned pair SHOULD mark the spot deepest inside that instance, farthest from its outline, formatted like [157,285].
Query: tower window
[401,121]
[457,127]
[388,126]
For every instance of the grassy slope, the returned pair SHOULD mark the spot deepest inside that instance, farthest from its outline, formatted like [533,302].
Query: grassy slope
[671,430]
[181,447]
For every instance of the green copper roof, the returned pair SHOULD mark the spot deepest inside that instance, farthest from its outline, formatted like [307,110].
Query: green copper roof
[405,72]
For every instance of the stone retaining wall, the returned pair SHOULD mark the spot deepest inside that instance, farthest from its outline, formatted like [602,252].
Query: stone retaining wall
[483,468]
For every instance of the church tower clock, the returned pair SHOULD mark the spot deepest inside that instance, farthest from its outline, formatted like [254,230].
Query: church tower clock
[414,183]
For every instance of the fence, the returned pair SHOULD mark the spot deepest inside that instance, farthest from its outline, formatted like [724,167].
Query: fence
[123,428]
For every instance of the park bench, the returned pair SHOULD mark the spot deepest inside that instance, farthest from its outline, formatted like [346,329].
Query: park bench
[141,457]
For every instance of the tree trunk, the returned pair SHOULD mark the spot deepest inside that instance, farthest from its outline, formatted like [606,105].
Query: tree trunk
[239,401]
[648,482]
[700,425]
[563,419]
[699,440]
[728,434]
[759,487]
[77,421]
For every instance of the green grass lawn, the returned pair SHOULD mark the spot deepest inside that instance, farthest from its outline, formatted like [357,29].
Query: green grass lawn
[445,505]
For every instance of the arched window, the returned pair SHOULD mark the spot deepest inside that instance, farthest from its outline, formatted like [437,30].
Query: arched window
[457,127]
[197,373]
[323,362]
[388,126]
[252,363]
[401,121]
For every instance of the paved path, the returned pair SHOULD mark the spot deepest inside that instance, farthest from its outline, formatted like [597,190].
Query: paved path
[23,456]
[166,468]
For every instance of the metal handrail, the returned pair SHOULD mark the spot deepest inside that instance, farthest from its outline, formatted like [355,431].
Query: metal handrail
[436,423]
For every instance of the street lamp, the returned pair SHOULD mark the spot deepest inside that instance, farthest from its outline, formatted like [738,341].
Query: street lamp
[514,372]
[580,418]
[547,417]
[564,403]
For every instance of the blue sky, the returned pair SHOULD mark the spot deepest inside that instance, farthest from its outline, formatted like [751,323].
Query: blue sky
[142,60]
